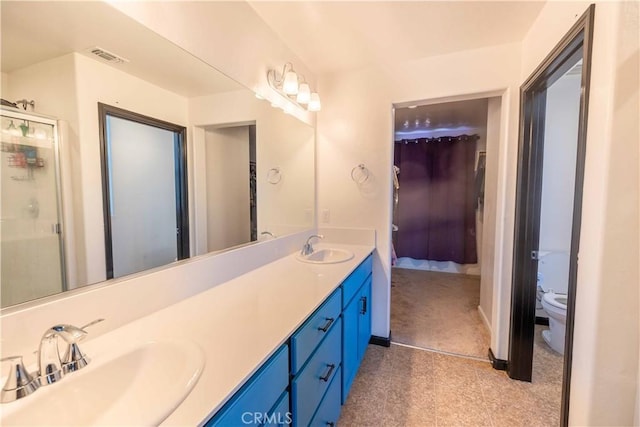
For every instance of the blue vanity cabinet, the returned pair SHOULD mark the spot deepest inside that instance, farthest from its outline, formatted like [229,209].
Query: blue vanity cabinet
[316,353]
[356,325]
[261,397]
[307,380]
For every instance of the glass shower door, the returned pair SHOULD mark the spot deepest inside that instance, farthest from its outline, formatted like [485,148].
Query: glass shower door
[31,261]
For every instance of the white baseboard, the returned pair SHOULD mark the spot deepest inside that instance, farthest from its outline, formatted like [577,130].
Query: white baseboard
[484,319]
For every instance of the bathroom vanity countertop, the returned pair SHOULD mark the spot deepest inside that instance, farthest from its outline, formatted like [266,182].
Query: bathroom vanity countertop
[238,325]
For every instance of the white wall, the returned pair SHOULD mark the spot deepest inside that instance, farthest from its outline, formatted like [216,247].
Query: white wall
[488,249]
[228,216]
[605,363]
[4,83]
[356,126]
[558,182]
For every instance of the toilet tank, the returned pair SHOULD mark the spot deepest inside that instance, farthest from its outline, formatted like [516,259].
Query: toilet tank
[553,271]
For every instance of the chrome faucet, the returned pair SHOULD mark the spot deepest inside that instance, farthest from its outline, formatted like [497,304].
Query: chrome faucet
[49,361]
[307,249]
[51,367]
[19,382]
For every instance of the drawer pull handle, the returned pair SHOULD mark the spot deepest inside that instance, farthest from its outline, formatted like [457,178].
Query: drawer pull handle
[325,328]
[331,424]
[326,376]
[364,305]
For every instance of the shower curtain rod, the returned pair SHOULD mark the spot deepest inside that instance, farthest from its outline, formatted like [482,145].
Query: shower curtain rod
[464,138]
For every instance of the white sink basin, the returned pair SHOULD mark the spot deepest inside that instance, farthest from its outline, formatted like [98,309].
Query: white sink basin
[142,386]
[327,256]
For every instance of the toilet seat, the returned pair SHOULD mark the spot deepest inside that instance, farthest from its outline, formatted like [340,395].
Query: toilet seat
[556,300]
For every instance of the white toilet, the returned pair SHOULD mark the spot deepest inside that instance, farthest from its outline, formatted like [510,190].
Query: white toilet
[556,307]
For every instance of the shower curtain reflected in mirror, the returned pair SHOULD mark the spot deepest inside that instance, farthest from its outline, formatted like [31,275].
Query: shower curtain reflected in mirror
[436,204]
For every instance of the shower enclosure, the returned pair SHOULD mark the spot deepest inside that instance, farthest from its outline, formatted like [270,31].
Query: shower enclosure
[31,253]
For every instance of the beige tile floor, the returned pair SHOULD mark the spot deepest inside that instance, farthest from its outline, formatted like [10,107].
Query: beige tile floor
[403,386]
[438,311]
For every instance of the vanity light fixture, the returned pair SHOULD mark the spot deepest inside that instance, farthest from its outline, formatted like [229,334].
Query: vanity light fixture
[314,102]
[304,94]
[293,87]
[290,84]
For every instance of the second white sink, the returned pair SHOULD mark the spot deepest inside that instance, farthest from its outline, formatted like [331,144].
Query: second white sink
[141,386]
[326,256]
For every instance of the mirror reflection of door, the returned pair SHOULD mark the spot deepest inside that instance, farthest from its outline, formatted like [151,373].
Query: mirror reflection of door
[230,186]
[30,215]
[144,192]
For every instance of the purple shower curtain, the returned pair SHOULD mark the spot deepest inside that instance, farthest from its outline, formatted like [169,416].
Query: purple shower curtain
[436,206]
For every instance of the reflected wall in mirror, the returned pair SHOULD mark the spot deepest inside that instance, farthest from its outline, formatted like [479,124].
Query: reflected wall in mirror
[233,140]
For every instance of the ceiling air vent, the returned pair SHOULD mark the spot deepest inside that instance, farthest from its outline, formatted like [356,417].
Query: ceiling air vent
[107,56]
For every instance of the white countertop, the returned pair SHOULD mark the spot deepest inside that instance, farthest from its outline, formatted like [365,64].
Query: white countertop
[238,325]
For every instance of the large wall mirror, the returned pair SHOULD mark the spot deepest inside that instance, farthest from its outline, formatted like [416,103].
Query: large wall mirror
[250,167]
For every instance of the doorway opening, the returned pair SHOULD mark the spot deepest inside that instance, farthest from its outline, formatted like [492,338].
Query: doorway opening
[440,169]
[144,179]
[553,123]
[228,186]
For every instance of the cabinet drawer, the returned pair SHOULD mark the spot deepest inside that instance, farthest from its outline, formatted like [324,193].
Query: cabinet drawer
[281,415]
[329,410]
[352,283]
[319,325]
[313,381]
[258,395]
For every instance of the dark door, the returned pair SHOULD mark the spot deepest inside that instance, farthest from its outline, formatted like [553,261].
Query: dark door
[145,190]
[537,161]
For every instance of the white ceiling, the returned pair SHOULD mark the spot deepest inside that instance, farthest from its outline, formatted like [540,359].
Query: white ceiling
[450,118]
[37,31]
[330,36]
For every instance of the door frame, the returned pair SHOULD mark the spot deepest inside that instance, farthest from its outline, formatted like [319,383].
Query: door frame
[180,153]
[577,42]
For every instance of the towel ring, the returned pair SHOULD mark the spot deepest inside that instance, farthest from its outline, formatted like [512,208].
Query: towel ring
[274,175]
[360,173]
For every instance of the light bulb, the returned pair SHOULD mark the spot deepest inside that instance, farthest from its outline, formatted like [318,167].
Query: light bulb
[314,102]
[304,94]
[290,85]
[40,134]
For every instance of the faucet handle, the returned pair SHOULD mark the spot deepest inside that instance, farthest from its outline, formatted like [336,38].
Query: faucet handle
[19,382]
[93,322]
[74,359]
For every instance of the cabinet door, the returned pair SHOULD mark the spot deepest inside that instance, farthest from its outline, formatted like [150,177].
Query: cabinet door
[329,410]
[311,384]
[350,357]
[252,403]
[364,319]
